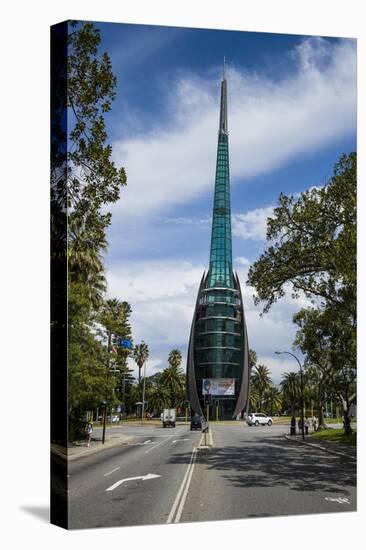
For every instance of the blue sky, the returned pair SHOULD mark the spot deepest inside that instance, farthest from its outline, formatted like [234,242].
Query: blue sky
[292,112]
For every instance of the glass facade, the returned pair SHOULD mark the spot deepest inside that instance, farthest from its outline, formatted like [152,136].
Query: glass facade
[218,343]
[218,347]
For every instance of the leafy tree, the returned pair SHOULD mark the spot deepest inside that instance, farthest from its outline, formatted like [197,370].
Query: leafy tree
[85,180]
[260,379]
[312,250]
[93,180]
[272,399]
[254,398]
[312,244]
[327,340]
[141,355]
[89,381]
[175,358]
[291,389]
[252,358]
[160,398]
[174,379]
[114,317]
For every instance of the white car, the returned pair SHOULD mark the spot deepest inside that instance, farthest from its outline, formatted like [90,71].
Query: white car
[254,419]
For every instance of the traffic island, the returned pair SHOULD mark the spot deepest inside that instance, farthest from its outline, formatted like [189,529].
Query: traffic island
[206,441]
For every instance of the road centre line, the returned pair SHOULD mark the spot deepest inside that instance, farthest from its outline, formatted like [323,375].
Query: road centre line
[181,489]
[184,497]
[111,472]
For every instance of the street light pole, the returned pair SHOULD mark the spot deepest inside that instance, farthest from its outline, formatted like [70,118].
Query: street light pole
[302,389]
[143,395]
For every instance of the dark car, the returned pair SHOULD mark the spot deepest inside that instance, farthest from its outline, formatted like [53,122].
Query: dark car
[196,422]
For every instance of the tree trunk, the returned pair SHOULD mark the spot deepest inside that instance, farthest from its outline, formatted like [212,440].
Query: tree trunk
[346,418]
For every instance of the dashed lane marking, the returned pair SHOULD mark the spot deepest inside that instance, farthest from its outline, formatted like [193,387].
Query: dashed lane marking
[111,472]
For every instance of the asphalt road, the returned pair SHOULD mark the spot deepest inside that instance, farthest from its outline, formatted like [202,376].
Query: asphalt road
[96,501]
[255,472]
[250,472]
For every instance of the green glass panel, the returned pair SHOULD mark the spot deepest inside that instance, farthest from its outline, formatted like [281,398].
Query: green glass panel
[220,270]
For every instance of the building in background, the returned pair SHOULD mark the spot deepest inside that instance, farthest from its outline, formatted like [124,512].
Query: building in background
[218,353]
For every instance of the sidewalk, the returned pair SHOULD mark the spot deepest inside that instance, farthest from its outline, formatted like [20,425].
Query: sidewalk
[79,449]
[335,448]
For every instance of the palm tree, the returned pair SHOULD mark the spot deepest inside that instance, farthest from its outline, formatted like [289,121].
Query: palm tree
[252,358]
[272,399]
[160,398]
[253,398]
[261,381]
[85,263]
[291,388]
[175,358]
[141,355]
[174,379]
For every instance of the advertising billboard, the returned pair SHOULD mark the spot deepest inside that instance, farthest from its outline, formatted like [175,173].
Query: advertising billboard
[218,386]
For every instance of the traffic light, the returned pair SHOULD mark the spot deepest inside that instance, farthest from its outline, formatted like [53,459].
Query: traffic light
[208,399]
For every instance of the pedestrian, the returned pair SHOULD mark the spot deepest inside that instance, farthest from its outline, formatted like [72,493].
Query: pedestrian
[293,426]
[88,431]
[313,423]
[300,425]
[307,425]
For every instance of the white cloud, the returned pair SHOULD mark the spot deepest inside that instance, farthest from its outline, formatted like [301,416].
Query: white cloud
[241,260]
[270,123]
[278,366]
[252,225]
[151,280]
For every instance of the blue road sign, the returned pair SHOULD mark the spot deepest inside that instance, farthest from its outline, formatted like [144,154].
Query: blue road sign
[125,343]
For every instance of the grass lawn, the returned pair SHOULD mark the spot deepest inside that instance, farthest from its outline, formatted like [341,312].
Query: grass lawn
[336,435]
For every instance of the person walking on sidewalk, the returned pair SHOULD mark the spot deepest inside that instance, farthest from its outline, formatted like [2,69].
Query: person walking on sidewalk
[88,431]
[307,425]
[300,425]
[313,423]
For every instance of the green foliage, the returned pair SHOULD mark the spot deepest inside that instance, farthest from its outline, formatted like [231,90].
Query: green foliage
[93,182]
[89,380]
[291,389]
[312,244]
[252,358]
[260,382]
[328,340]
[173,379]
[312,249]
[165,389]
[141,355]
[272,400]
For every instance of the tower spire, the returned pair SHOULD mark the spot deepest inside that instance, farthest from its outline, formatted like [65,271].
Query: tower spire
[223,104]
[220,271]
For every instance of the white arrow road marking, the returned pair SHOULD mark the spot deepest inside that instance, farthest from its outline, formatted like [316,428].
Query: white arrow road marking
[140,443]
[143,478]
[340,500]
[175,440]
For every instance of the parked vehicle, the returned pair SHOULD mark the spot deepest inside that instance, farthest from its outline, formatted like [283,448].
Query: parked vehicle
[168,418]
[196,422]
[256,419]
